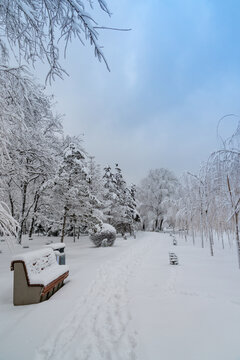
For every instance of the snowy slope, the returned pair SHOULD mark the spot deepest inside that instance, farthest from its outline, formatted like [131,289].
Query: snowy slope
[127,302]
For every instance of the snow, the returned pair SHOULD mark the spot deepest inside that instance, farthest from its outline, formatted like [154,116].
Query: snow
[42,267]
[126,302]
[56,246]
[105,228]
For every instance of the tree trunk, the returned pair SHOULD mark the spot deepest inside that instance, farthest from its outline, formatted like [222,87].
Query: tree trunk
[211,242]
[236,220]
[221,230]
[185,231]
[201,230]
[229,240]
[193,236]
[161,223]
[185,235]
[209,233]
[64,223]
[22,219]
[237,238]
[201,218]
[74,233]
[11,205]
[31,227]
[37,196]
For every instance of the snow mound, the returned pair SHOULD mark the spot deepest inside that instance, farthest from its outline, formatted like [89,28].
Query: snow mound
[103,235]
[56,246]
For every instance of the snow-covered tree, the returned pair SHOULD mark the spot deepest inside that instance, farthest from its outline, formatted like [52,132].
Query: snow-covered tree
[224,168]
[73,193]
[70,182]
[96,190]
[132,216]
[209,203]
[193,206]
[33,29]
[28,144]
[120,205]
[153,194]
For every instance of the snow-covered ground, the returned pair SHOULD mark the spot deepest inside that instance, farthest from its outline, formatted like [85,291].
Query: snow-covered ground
[127,303]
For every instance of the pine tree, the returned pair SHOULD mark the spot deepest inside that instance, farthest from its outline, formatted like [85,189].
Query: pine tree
[121,206]
[70,185]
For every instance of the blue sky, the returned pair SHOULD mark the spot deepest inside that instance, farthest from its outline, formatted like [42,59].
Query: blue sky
[172,77]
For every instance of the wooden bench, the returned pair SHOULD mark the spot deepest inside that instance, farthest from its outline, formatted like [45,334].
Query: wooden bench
[173,258]
[37,276]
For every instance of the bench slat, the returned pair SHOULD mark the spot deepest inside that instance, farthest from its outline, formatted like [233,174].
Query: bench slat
[50,286]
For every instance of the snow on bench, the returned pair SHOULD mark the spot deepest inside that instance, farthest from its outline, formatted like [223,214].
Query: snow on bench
[37,276]
[58,249]
[57,246]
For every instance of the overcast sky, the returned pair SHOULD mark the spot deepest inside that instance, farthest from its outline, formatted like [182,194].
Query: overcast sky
[172,77]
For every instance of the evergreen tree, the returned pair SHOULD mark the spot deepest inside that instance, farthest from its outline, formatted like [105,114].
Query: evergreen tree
[120,201]
[70,186]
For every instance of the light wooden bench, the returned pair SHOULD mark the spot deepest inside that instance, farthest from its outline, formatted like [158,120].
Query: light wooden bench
[173,258]
[37,276]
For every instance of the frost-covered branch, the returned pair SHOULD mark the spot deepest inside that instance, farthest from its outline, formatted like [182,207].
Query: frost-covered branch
[8,225]
[34,28]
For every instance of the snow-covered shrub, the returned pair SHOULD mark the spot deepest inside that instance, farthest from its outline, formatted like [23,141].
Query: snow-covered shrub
[103,235]
[53,230]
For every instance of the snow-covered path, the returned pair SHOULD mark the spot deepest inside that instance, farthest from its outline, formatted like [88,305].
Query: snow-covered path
[128,303]
[99,327]
[186,312]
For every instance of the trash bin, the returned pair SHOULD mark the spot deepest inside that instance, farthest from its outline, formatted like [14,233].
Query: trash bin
[58,249]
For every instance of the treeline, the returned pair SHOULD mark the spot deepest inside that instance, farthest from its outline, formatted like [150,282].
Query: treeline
[206,204]
[49,182]
[209,203]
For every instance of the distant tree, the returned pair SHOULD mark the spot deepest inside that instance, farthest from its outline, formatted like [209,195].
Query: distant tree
[153,194]
[194,205]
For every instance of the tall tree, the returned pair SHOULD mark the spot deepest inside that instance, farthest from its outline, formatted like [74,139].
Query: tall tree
[30,142]
[120,205]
